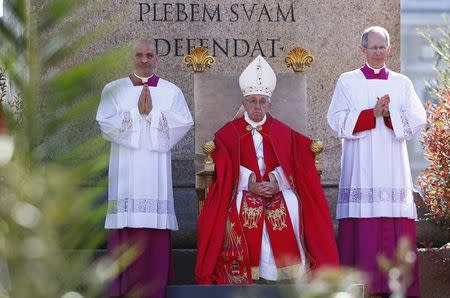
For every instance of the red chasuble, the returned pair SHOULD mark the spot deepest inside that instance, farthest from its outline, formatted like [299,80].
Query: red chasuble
[219,230]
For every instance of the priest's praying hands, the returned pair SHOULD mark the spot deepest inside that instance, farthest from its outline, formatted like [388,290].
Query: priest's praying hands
[382,106]
[385,111]
[145,101]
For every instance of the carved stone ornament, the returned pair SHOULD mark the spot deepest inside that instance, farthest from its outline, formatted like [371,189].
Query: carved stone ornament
[298,58]
[199,59]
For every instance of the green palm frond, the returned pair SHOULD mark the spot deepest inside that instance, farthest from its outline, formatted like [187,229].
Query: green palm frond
[51,212]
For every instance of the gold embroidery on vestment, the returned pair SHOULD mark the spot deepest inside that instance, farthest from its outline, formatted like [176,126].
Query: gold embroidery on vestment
[234,277]
[251,215]
[277,217]
[232,249]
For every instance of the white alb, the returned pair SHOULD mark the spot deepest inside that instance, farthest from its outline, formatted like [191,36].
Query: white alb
[140,191]
[375,173]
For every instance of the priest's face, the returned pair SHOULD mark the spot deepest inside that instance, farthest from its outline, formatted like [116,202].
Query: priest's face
[145,58]
[377,50]
[257,106]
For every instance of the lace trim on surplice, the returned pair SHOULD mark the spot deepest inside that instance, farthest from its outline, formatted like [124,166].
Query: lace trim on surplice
[164,137]
[374,195]
[140,206]
[407,130]
[127,122]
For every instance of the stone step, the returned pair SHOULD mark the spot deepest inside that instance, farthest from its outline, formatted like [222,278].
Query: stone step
[434,270]
[260,291]
[184,264]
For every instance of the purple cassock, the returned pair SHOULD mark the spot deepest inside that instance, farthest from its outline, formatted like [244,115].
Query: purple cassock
[148,274]
[361,240]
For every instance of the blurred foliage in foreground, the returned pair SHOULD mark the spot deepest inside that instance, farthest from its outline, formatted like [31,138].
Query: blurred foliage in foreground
[46,210]
[434,182]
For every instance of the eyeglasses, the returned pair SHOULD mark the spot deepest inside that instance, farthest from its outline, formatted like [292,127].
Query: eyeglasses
[374,49]
[261,102]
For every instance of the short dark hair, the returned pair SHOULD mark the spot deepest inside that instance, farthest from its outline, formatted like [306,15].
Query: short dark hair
[148,41]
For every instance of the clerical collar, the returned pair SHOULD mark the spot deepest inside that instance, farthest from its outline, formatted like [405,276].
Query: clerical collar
[144,79]
[374,73]
[375,70]
[253,123]
[151,81]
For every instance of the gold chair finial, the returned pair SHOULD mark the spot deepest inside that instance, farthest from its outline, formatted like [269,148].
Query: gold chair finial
[317,148]
[199,59]
[298,58]
[208,148]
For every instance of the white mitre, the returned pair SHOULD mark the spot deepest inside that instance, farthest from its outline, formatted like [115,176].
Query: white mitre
[258,78]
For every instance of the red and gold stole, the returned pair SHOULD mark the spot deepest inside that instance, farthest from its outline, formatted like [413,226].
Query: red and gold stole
[256,210]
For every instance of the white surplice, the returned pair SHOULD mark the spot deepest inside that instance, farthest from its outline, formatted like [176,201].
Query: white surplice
[267,266]
[375,174]
[140,193]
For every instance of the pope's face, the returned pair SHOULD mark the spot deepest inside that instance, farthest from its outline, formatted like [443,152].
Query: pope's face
[377,50]
[145,59]
[257,106]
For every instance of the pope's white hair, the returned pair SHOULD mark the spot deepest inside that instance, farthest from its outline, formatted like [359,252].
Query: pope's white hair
[268,97]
